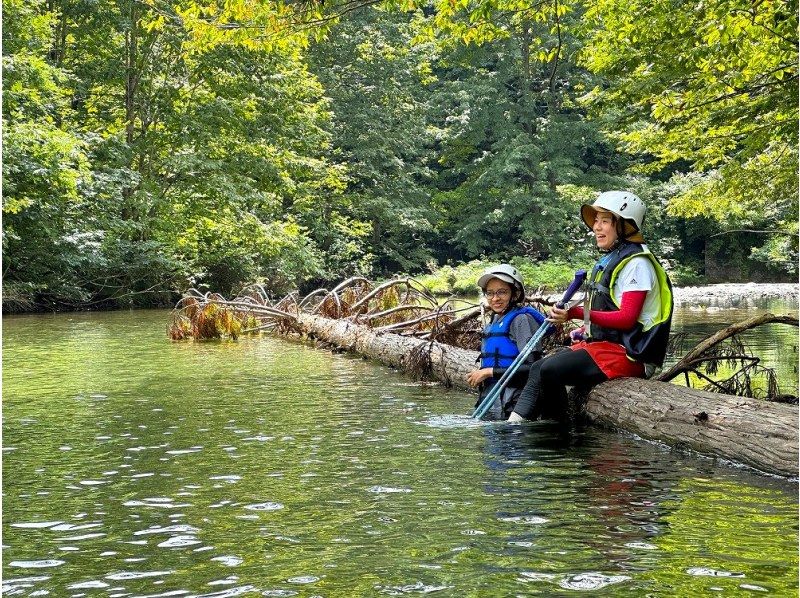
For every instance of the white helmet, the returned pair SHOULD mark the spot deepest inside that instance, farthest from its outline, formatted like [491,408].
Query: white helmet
[506,273]
[623,204]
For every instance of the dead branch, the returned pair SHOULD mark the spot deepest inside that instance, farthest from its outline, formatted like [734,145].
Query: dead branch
[399,325]
[409,282]
[455,324]
[684,364]
[311,295]
[374,316]
[351,282]
[256,308]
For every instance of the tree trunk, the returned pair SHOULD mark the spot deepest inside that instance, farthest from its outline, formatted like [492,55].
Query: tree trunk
[757,433]
[131,74]
[754,432]
[447,364]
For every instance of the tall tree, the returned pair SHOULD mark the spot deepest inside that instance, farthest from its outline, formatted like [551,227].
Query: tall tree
[514,143]
[377,80]
[714,86]
[45,166]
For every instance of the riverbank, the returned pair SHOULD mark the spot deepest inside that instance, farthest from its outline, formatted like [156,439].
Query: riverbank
[713,296]
[729,295]
[735,295]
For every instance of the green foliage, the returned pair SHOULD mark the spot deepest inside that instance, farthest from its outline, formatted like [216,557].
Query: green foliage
[721,97]
[778,253]
[511,137]
[462,279]
[550,276]
[377,83]
[228,251]
[121,185]
[148,148]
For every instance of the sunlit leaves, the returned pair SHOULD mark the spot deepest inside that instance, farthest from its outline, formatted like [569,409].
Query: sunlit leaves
[713,84]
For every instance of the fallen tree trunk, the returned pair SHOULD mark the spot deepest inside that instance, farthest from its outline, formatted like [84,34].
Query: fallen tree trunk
[753,432]
[443,362]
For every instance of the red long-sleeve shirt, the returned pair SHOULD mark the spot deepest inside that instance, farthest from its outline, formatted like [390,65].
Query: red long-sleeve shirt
[624,319]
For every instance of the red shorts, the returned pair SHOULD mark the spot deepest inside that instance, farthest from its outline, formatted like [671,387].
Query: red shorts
[611,359]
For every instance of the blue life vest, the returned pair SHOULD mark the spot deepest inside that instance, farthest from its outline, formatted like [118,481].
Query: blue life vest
[497,348]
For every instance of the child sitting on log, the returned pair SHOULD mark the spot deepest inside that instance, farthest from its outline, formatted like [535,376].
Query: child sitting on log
[511,327]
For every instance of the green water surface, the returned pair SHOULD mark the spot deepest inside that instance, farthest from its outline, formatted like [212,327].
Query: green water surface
[136,466]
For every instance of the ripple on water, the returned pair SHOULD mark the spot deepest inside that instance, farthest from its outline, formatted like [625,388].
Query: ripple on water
[37,524]
[748,586]
[387,490]
[238,591]
[591,581]
[194,449]
[71,527]
[43,564]
[228,581]
[706,571]
[415,588]
[136,574]
[536,576]
[303,579]
[229,560]
[86,585]
[226,478]
[524,519]
[18,584]
[264,506]
[179,542]
[161,503]
[170,529]
[452,421]
[642,545]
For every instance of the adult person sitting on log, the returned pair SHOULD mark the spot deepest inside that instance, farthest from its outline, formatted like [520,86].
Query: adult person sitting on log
[511,327]
[626,326]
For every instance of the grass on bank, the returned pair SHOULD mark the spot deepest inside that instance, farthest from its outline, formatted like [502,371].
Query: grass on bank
[547,277]
[462,279]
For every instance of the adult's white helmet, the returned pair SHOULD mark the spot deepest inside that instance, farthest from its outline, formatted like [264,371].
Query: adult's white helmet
[623,204]
[506,273]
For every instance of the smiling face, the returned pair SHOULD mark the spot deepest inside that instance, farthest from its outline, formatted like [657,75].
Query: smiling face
[605,230]
[498,295]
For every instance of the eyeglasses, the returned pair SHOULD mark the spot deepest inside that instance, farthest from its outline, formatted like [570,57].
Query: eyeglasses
[501,294]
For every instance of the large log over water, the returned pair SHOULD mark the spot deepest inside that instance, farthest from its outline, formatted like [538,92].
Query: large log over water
[756,433]
[447,364]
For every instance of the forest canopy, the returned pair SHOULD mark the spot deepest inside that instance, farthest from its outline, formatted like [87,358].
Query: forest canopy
[151,146]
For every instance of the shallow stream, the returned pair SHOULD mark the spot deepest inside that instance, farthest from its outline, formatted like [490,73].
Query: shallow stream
[136,466]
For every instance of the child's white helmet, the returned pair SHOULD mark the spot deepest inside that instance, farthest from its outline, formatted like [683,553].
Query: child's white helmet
[506,273]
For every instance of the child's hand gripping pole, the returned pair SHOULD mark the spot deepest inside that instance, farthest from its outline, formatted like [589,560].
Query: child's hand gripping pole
[529,347]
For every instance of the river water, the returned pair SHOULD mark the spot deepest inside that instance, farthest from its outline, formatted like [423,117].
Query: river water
[136,466]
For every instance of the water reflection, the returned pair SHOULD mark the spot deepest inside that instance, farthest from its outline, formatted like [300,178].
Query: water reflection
[775,344]
[267,467]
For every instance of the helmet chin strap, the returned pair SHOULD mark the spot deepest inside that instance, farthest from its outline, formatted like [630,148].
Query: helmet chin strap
[618,241]
[621,237]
